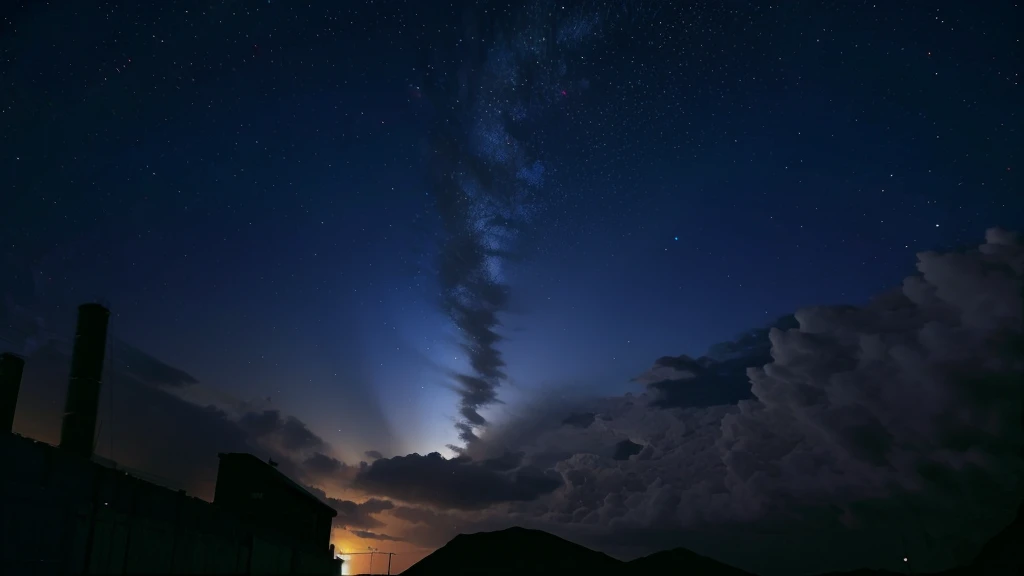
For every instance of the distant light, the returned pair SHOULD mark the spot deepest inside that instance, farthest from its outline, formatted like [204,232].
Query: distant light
[904,558]
[676,238]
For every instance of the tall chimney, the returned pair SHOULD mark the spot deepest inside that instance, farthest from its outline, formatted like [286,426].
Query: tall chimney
[11,367]
[78,431]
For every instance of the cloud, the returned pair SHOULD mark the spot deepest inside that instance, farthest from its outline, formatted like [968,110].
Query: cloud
[320,464]
[415,515]
[504,463]
[139,416]
[720,377]
[361,515]
[143,404]
[375,536]
[358,515]
[292,434]
[582,420]
[373,455]
[866,427]
[150,370]
[453,483]
[918,391]
[626,448]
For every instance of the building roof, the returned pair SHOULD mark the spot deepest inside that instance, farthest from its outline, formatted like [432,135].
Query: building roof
[281,477]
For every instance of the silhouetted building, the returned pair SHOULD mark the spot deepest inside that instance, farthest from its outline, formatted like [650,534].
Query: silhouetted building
[78,429]
[65,511]
[11,368]
[258,493]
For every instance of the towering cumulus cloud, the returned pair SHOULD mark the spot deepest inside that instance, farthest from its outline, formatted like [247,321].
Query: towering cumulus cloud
[868,433]
[488,86]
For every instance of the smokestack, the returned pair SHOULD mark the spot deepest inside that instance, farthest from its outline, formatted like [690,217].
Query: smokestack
[78,431]
[11,368]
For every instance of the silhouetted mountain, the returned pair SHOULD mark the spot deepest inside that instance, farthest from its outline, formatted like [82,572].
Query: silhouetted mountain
[521,551]
[680,561]
[1001,555]
[962,571]
[863,573]
[514,551]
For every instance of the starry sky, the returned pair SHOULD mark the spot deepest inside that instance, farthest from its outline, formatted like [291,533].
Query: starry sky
[394,226]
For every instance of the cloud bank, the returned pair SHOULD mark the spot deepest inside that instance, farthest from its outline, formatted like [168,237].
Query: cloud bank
[143,404]
[867,431]
[718,378]
[863,433]
[455,483]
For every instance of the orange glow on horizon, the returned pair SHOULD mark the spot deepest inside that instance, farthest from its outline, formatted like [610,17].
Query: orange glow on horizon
[359,562]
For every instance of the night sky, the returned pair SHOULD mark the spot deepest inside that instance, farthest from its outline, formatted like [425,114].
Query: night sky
[335,232]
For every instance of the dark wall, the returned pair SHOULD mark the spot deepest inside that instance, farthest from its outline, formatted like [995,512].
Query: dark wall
[11,369]
[66,515]
[256,491]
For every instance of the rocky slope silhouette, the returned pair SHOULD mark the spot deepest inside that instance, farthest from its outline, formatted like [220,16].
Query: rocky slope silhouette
[522,551]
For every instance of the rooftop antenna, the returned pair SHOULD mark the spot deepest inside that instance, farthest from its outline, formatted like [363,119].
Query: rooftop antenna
[371,552]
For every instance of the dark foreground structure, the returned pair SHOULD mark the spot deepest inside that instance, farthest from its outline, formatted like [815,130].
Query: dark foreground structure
[62,511]
[501,553]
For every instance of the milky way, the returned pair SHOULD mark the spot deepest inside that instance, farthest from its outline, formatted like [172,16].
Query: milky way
[490,87]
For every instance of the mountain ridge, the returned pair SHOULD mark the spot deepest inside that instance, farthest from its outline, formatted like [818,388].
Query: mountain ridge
[522,551]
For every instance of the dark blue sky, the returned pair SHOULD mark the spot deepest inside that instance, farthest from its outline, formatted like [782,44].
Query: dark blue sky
[246,184]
